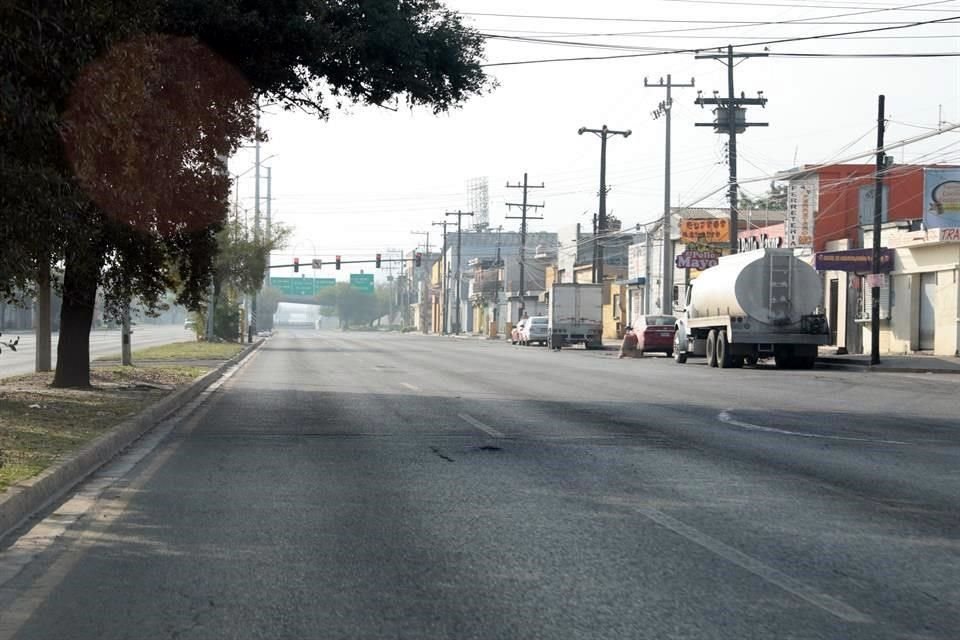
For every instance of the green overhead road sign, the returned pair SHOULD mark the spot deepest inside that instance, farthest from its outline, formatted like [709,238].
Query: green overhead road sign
[308,287]
[362,282]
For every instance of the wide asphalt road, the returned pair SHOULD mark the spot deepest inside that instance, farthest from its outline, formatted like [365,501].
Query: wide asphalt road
[103,342]
[385,486]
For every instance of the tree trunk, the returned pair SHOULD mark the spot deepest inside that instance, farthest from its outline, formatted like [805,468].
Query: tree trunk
[76,316]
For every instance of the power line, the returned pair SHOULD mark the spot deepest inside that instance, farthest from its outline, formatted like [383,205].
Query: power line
[911,25]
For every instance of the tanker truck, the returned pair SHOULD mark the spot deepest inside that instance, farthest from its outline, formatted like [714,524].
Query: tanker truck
[753,305]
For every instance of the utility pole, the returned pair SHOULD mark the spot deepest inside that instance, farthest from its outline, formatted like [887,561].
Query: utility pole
[603,133]
[496,290]
[666,280]
[731,119]
[252,330]
[523,234]
[459,215]
[877,222]
[443,276]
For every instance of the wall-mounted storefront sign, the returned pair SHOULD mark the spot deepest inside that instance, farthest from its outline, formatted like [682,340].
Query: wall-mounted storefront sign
[941,198]
[802,199]
[705,231]
[699,260]
[950,235]
[854,260]
[771,237]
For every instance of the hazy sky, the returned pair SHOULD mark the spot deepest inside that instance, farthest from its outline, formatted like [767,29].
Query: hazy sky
[362,181]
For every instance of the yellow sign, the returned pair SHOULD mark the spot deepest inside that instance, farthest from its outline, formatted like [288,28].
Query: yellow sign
[705,231]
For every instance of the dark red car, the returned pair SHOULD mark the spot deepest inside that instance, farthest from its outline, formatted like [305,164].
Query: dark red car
[655,333]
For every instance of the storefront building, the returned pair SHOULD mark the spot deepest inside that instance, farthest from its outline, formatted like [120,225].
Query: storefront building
[920,234]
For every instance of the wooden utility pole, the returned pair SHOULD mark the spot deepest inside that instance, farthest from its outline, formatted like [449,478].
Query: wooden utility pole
[731,120]
[459,214]
[523,234]
[877,223]
[603,133]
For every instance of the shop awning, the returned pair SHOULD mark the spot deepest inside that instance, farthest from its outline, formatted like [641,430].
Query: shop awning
[855,260]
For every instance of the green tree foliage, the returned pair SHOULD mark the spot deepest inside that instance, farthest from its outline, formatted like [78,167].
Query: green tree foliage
[115,117]
[241,262]
[775,199]
[269,303]
[351,306]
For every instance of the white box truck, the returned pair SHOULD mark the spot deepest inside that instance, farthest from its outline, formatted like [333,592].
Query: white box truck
[575,315]
[754,305]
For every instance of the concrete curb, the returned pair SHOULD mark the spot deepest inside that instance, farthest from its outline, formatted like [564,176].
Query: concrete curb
[19,502]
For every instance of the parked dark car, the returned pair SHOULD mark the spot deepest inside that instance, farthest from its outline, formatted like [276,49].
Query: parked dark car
[655,333]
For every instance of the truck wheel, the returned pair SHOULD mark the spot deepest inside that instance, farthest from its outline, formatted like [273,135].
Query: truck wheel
[724,359]
[712,348]
[679,355]
[784,361]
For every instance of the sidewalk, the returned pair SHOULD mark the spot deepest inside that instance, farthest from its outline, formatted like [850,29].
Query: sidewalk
[912,363]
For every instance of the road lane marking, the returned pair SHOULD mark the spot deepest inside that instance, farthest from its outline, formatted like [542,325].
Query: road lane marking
[409,386]
[726,418]
[487,429]
[803,591]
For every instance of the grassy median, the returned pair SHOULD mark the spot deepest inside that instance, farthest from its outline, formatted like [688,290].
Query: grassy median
[39,424]
[185,351]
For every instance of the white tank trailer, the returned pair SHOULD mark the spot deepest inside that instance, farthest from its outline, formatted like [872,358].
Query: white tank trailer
[754,305]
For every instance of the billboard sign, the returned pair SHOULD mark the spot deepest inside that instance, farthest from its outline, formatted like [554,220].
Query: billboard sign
[941,198]
[802,200]
[854,260]
[705,231]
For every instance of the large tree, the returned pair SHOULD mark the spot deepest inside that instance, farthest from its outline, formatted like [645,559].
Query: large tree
[115,117]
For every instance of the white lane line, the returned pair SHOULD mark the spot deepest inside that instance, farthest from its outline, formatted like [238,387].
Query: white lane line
[487,429]
[726,418]
[409,386]
[791,585]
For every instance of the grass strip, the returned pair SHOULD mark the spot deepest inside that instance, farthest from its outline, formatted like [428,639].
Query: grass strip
[39,424]
[185,351]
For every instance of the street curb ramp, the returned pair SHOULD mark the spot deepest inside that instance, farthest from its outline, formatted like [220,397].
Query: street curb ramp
[21,501]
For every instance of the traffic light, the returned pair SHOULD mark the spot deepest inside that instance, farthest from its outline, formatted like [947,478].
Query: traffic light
[338,263]
[378,261]
[418,259]
[296,265]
